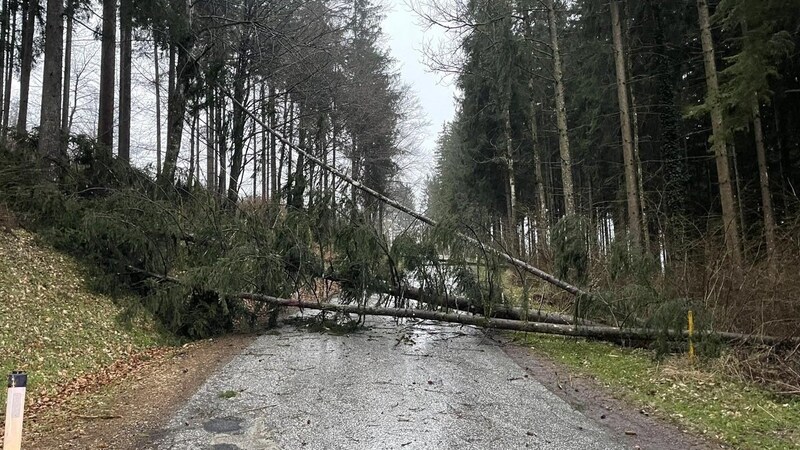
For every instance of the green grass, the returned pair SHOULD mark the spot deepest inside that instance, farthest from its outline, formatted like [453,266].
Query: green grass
[698,398]
[227,394]
[51,325]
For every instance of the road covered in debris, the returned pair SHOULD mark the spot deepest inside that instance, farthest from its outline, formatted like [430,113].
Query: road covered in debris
[392,385]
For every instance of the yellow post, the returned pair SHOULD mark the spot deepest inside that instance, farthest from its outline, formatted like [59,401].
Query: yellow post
[691,334]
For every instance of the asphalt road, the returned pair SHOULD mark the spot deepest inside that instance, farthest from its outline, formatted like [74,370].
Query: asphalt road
[392,386]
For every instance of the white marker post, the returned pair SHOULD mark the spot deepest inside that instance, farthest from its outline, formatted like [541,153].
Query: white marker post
[15,407]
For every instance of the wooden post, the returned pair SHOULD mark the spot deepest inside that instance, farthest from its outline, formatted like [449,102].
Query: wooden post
[15,407]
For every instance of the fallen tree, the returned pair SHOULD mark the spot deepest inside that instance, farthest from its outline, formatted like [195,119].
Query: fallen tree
[467,305]
[533,270]
[602,332]
[495,311]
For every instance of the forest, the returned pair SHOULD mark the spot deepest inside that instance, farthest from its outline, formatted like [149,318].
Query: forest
[621,162]
[664,128]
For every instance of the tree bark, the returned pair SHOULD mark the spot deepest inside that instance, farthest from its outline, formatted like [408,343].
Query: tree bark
[240,94]
[561,114]
[28,29]
[635,124]
[192,149]
[222,167]
[763,176]
[157,81]
[264,146]
[211,176]
[12,45]
[125,55]
[4,17]
[631,184]
[177,108]
[273,164]
[729,220]
[105,118]
[65,116]
[511,187]
[50,117]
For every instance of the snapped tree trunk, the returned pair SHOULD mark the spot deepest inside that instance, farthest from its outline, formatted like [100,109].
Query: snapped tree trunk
[50,117]
[561,114]
[631,179]
[105,118]
[729,220]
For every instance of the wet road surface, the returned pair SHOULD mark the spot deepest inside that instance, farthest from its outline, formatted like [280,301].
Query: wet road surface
[413,385]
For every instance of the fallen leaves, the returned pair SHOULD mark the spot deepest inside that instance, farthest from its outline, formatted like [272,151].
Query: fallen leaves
[52,326]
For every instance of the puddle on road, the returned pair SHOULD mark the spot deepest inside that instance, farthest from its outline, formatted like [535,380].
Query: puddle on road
[223,425]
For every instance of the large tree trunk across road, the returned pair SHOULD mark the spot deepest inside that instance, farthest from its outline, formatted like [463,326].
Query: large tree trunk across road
[592,331]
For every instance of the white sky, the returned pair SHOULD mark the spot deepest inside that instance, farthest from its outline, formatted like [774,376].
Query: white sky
[406,39]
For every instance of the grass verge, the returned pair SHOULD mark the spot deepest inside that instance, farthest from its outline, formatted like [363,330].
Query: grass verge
[697,397]
[51,325]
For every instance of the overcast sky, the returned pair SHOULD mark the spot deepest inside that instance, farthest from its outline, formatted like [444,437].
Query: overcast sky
[406,39]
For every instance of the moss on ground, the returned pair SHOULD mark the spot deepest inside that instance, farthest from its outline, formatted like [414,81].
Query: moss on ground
[696,397]
[51,325]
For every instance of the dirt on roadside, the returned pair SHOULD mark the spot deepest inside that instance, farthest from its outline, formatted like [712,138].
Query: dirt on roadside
[124,413]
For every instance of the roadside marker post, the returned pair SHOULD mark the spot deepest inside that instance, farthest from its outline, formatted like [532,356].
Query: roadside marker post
[691,335]
[15,408]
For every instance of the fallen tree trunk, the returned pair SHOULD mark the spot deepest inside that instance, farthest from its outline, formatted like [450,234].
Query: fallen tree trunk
[602,332]
[497,311]
[467,305]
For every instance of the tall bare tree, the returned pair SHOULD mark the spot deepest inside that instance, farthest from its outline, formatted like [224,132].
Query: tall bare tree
[50,126]
[105,117]
[65,126]
[11,47]
[763,177]
[29,9]
[631,172]
[125,53]
[714,103]
[561,113]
